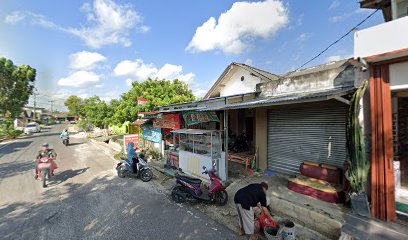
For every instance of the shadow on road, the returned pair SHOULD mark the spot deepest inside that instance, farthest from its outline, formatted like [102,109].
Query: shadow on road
[13,147]
[67,174]
[74,144]
[15,168]
[105,208]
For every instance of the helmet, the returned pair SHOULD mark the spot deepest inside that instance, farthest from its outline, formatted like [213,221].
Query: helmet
[45,145]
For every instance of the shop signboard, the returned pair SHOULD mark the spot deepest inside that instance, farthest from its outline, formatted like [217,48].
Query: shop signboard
[141,101]
[130,138]
[193,117]
[152,134]
[171,121]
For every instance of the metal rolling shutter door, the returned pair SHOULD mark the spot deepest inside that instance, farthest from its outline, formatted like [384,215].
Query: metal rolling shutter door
[306,134]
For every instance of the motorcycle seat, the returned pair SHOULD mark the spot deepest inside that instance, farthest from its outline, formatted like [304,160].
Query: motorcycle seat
[189,179]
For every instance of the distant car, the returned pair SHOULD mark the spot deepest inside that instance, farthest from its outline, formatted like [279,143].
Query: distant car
[72,122]
[32,128]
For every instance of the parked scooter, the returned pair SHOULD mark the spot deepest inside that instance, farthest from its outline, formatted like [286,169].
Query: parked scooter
[190,188]
[125,169]
[44,169]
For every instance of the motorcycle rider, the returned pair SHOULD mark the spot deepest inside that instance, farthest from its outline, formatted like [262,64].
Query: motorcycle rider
[64,134]
[132,157]
[44,152]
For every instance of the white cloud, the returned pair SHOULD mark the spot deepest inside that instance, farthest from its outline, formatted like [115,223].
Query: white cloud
[129,82]
[199,92]
[136,69]
[299,20]
[141,71]
[345,16]
[303,37]
[237,27]
[114,94]
[169,71]
[187,78]
[335,4]
[107,23]
[85,60]
[80,79]
[14,17]
[248,62]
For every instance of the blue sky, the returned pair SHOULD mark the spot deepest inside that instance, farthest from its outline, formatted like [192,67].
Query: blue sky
[98,47]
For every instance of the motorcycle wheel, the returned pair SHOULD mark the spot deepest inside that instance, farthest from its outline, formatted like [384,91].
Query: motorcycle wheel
[146,175]
[178,198]
[221,197]
[121,173]
[44,176]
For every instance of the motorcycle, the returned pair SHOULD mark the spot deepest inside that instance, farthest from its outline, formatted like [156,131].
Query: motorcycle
[190,188]
[125,169]
[44,169]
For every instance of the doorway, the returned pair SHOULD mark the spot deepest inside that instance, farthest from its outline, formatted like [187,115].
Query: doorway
[400,138]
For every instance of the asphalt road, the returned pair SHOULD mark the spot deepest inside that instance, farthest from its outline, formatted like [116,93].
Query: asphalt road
[85,199]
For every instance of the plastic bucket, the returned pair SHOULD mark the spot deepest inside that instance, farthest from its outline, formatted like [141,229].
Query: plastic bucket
[288,232]
[273,233]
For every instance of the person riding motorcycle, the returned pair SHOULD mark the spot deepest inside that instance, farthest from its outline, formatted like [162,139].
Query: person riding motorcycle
[132,156]
[44,152]
[64,134]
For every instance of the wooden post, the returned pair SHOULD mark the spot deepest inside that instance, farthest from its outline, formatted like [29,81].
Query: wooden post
[382,167]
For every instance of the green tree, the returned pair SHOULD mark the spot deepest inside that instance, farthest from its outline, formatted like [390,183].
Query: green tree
[157,92]
[16,86]
[97,112]
[75,105]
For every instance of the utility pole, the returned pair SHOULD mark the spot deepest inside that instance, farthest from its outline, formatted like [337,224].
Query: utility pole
[52,105]
[35,103]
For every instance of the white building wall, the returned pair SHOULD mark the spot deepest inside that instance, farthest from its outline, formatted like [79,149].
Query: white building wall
[387,37]
[235,86]
[399,75]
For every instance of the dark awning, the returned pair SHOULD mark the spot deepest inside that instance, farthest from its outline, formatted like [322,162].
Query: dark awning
[287,99]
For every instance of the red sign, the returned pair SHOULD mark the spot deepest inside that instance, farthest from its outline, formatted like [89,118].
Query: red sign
[141,101]
[171,121]
[130,138]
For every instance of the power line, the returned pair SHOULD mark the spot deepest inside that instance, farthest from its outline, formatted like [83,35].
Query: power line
[328,47]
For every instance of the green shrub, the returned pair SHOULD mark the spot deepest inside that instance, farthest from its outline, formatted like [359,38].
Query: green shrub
[7,130]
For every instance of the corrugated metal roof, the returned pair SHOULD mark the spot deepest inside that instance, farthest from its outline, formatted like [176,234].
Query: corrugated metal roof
[287,99]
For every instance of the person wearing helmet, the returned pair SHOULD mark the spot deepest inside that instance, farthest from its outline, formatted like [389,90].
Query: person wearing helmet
[64,134]
[44,152]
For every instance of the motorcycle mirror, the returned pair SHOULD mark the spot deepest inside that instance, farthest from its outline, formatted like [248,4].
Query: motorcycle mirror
[203,167]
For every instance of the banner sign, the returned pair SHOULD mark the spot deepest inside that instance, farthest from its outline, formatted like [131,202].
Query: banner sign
[192,118]
[141,101]
[171,121]
[152,116]
[152,134]
[130,138]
